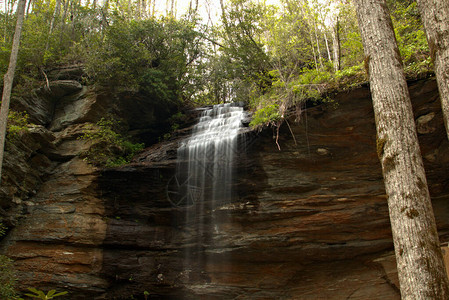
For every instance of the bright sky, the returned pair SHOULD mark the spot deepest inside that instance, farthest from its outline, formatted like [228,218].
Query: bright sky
[208,9]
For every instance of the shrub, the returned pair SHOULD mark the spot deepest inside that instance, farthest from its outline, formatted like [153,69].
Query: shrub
[17,123]
[267,115]
[109,148]
[7,278]
[41,295]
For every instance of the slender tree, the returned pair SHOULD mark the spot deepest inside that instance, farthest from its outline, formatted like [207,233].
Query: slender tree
[8,79]
[435,16]
[420,264]
[336,44]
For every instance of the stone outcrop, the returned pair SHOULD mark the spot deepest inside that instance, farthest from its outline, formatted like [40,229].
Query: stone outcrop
[309,221]
[49,198]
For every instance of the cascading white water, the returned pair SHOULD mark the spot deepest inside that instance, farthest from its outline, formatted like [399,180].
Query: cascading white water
[205,160]
[204,182]
[210,152]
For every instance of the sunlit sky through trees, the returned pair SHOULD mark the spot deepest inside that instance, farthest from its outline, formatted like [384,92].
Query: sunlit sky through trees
[209,10]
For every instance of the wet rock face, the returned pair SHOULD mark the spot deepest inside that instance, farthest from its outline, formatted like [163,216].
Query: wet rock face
[49,197]
[309,221]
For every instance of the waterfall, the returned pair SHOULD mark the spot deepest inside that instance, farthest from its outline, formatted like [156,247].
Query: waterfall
[205,160]
[203,183]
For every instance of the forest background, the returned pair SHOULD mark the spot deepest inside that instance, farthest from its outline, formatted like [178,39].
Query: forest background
[272,57]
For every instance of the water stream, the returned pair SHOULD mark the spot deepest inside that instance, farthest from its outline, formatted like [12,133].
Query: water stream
[204,181]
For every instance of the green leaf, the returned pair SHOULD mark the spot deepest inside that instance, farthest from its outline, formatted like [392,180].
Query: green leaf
[34,296]
[33,290]
[60,294]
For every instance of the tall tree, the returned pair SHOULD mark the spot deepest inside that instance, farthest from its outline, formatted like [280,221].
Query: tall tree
[435,16]
[336,44]
[420,264]
[8,80]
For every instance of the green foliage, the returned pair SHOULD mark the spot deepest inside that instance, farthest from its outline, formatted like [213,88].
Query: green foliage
[311,84]
[410,37]
[109,147]
[296,40]
[7,273]
[3,229]
[242,62]
[262,54]
[350,39]
[154,57]
[174,121]
[267,115]
[349,77]
[37,294]
[7,278]
[42,48]
[17,123]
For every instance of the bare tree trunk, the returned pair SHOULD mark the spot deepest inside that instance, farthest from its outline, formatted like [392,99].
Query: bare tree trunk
[435,16]
[314,53]
[8,79]
[420,264]
[28,7]
[320,58]
[329,57]
[336,45]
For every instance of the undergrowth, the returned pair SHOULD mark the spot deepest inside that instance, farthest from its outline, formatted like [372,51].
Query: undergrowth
[109,148]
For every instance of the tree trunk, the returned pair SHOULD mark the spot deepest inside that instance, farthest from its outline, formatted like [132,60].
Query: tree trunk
[28,7]
[435,16]
[320,58]
[329,57]
[420,264]
[313,50]
[8,79]
[336,44]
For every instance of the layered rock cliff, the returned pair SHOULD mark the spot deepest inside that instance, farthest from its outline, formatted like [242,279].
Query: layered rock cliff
[308,221]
